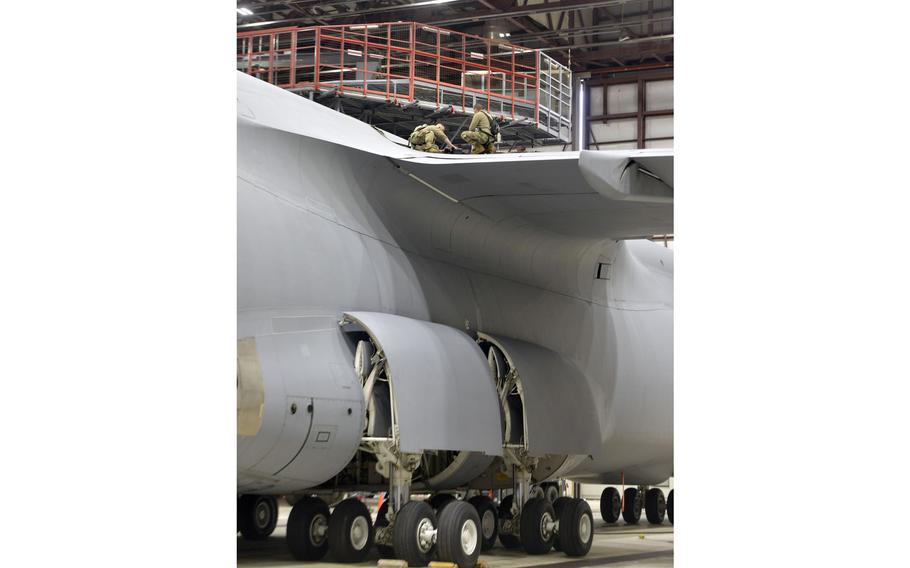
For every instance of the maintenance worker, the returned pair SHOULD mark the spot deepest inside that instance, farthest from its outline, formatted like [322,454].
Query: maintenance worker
[480,133]
[424,138]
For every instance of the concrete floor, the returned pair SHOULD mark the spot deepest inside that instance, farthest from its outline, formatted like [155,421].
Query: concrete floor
[641,546]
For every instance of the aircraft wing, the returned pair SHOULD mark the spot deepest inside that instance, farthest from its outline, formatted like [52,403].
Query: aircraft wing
[617,194]
[612,194]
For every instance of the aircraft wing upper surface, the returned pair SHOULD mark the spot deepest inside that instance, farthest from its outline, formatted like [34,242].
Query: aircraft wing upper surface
[615,194]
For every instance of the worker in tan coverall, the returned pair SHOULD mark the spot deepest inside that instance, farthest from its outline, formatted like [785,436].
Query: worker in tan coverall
[478,133]
[424,137]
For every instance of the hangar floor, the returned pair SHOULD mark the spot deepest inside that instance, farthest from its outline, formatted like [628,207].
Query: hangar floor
[641,546]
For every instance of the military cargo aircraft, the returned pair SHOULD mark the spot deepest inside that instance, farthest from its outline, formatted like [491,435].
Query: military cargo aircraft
[448,324]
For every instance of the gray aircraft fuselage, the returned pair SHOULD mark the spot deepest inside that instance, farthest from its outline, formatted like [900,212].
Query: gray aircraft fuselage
[327,228]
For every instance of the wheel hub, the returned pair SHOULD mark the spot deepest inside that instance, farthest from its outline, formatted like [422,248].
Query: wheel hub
[262,514]
[546,526]
[488,524]
[426,534]
[318,528]
[584,528]
[360,533]
[468,537]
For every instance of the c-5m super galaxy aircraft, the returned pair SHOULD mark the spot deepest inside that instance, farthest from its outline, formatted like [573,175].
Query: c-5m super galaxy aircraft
[427,323]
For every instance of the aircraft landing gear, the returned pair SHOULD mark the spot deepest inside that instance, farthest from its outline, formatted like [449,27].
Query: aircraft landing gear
[670,507]
[507,539]
[308,527]
[655,506]
[610,505]
[459,536]
[257,516]
[576,526]
[538,525]
[489,520]
[350,533]
[414,533]
[631,512]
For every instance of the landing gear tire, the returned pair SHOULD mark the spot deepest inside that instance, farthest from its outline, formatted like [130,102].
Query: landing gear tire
[350,531]
[535,492]
[257,516]
[505,512]
[551,492]
[381,521]
[632,506]
[670,507]
[440,500]
[412,537]
[655,506]
[459,535]
[557,508]
[610,505]
[308,528]
[576,527]
[489,520]
[536,517]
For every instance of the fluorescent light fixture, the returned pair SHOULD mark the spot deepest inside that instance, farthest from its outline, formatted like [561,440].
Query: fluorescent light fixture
[361,27]
[477,72]
[338,70]
[433,30]
[476,55]
[244,11]
[354,52]
[427,3]
[624,38]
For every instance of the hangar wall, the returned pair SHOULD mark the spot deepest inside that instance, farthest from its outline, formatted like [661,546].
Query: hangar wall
[629,112]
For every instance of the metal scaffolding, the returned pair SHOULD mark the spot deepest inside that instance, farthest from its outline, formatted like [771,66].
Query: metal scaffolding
[406,63]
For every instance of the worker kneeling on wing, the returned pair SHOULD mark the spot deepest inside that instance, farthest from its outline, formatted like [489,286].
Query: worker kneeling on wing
[481,132]
[424,138]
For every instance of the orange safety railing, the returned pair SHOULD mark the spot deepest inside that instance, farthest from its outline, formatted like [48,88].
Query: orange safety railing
[408,61]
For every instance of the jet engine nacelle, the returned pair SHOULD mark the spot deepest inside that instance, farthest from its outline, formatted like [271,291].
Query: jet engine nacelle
[300,407]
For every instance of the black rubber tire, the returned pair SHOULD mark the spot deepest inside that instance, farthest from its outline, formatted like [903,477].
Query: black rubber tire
[632,506]
[557,508]
[655,506]
[257,516]
[440,500]
[452,521]
[670,506]
[572,516]
[551,492]
[505,512]
[532,516]
[381,521]
[405,533]
[610,505]
[485,506]
[341,524]
[299,540]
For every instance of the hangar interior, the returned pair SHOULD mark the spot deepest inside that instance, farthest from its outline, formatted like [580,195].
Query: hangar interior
[560,75]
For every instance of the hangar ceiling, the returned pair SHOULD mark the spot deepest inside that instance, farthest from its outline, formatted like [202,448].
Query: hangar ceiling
[598,37]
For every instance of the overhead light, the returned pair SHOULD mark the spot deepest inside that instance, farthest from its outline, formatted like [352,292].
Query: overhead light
[367,26]
[624,38]
[476,55]
[344,70]
[428,2]
[244,11]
